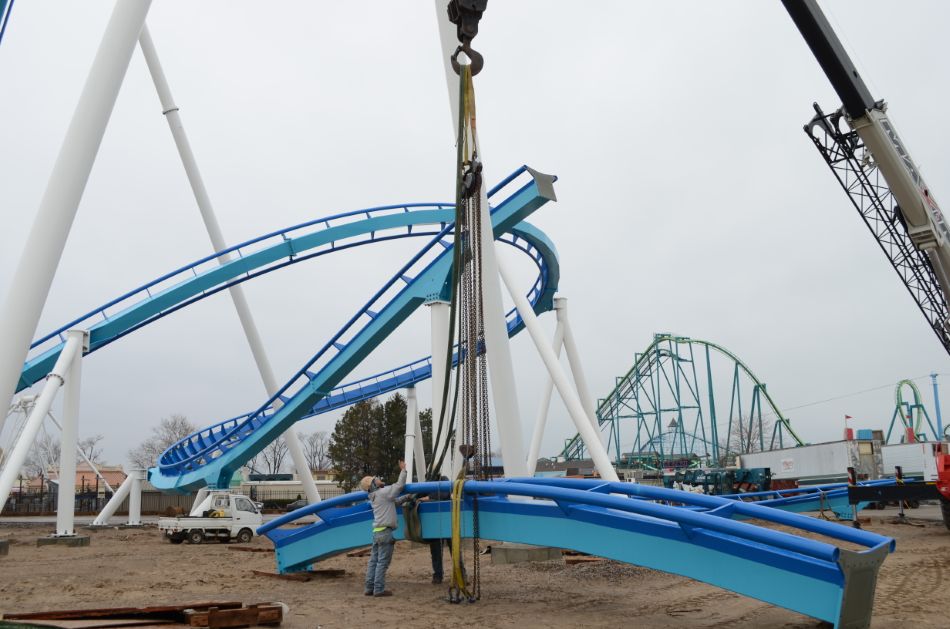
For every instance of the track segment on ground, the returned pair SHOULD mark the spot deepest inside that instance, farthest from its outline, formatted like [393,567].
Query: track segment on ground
[635,524]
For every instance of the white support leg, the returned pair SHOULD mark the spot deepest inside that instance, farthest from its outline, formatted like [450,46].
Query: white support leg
[31,281]
[135,498]
[66,496]
[172,116]
[500,370]
[412,420]
[541,419]
[200,495]
[54,381]
[439,320]
[419,455]
[574,359]
[115,502]
[561,381]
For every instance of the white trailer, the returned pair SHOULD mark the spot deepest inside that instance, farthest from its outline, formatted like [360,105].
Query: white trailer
[220,515]
[819,463]
[917,460]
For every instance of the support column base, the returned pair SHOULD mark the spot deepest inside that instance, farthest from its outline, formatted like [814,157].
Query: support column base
[4,547]
[73,541]
[520,553]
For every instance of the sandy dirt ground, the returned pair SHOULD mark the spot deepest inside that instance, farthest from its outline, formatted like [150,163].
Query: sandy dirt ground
[138,568]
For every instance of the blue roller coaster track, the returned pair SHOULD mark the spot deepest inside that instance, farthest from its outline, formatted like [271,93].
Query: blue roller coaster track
[210,456]
[704,539]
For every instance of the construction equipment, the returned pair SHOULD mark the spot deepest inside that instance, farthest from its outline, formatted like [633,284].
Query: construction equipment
[861,146]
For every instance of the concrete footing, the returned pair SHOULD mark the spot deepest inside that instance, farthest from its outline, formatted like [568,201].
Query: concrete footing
[73,541]
[520,553]
[4,547]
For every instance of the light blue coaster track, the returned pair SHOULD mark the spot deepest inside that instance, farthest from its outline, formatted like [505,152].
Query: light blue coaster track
[634,524]
[210,456]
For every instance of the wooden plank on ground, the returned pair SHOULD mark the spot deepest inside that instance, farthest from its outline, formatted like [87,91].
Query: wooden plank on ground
[245,549]
[214,618]
[172,612]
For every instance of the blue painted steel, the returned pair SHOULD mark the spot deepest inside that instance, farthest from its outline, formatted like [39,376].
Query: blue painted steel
[709,545]
[187,466]
[265,254]
[6,8]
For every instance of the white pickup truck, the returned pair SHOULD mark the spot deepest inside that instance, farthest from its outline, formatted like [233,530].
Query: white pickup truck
[220,515]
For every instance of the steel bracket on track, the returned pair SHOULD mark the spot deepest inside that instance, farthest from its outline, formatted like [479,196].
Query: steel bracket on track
[860,580]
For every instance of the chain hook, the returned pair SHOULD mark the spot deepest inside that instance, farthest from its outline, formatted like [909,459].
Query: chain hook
[475,58]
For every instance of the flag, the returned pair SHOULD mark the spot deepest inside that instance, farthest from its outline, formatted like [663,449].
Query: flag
[847,417]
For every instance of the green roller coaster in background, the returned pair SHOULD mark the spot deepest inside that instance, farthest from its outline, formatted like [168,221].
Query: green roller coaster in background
[693,403]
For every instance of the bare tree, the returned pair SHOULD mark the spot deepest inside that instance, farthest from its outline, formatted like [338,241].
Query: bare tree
[743,440]
[90,448]
[43,456]
[273,455]
[170,430]
[315,446]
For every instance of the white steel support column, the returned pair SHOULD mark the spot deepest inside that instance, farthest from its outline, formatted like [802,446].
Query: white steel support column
[172,116]
[571,400]
[419,456]
[412,420]
[54,381]
[574,359]
[115,502]
[541,418]
[439,312]
[31,281]
[66,495]
[501,373]
[135,498]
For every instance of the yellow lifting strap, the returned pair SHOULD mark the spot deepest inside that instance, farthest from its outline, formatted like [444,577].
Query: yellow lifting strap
[458,579]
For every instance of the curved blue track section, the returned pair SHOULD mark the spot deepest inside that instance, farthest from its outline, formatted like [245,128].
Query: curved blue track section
[424,277]
[703,541]
[211,457]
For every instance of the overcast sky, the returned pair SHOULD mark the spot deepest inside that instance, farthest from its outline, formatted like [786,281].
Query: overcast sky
[689,199]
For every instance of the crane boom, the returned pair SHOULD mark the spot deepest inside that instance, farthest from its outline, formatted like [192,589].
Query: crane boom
[876,170]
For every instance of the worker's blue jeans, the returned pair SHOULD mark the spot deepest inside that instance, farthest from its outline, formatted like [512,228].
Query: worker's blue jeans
[379,559]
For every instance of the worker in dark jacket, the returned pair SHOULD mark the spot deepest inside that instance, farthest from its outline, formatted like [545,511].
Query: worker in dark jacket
[383,500]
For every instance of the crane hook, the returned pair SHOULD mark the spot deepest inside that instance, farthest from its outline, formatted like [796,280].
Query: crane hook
[475,58]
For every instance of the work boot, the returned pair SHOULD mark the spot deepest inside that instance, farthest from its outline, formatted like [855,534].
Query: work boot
[436,580]
[384,593]
[367,592]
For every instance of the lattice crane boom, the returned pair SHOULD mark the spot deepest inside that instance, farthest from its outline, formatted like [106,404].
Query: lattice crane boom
[874,167]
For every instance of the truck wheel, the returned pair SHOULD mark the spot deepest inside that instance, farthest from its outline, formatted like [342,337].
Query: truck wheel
[945,509]
[176,538]
[244,536]
[195,536]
